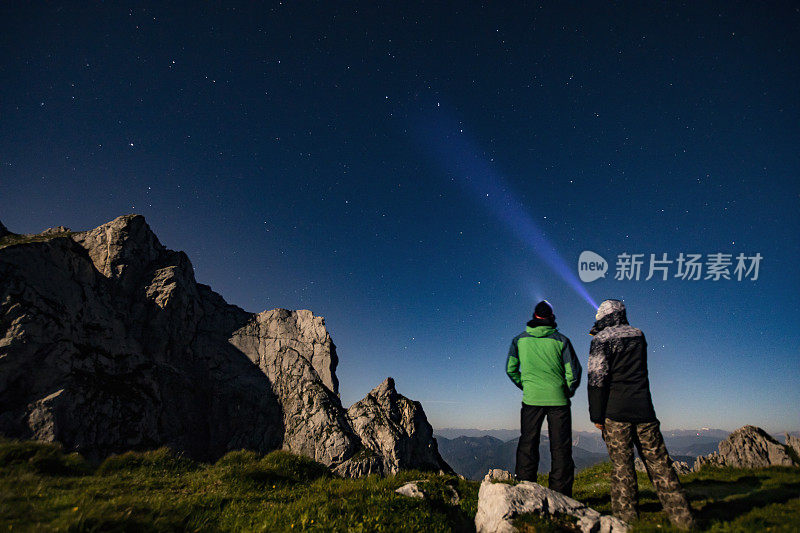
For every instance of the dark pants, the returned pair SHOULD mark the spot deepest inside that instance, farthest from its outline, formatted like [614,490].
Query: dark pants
[559,425]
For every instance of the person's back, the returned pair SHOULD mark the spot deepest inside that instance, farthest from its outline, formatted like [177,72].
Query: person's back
[543,372]
[619,351]
[621,406]
[543,364]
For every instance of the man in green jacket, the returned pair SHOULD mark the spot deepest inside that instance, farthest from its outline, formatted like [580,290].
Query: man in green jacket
[543,364]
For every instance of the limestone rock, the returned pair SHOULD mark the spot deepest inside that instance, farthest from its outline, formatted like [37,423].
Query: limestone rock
[712,459]
[108,343]
[500,503]
[420,489]
[793,443]
[396,429]
[123,250]
[292,348]
[56,230]
[411,490]
[681,467]
[498,474]
[105,347]
[281,330]
[362,463]
[747,447]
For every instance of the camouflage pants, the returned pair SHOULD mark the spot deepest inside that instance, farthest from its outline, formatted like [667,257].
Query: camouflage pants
[620,439]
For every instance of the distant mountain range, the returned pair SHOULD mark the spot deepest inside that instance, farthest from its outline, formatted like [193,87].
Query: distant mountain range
[472,457]
[472,452]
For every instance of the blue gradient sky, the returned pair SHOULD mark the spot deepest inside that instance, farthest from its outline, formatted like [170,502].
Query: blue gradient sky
[336,159]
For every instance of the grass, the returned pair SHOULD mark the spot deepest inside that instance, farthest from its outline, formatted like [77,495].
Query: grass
[44,489]
[15,238]
[243,491]
[724,500]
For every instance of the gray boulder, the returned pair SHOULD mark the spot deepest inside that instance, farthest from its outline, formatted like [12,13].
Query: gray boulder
[500,503]
[747,447]
[419,490]
[498,474]
[411,490]
[396,429]
[108,343]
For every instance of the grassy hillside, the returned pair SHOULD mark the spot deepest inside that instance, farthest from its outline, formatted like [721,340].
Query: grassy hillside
[42,488]
[14,238]
[723,499]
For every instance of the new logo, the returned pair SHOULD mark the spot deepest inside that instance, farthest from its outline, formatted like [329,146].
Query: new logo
[591,266]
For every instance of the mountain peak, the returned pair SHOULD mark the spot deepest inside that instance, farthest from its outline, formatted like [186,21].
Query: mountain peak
[386,387]
[748,447]
[141,355]
[122,248]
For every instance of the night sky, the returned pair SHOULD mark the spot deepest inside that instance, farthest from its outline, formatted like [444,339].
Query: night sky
[421,176]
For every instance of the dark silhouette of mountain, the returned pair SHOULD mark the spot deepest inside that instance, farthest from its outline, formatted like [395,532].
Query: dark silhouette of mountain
[472,457]
[501,434]
[475,451]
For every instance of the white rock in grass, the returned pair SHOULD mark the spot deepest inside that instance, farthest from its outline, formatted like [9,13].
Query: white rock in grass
[500,503]
[411,490]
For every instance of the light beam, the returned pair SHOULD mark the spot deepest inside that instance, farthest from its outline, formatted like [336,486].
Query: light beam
[459,155]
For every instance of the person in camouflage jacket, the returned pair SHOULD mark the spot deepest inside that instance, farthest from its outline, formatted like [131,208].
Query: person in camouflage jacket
[620,405]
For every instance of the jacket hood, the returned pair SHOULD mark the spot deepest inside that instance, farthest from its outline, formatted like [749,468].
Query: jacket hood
[610,320]
[607,307]
[540,331]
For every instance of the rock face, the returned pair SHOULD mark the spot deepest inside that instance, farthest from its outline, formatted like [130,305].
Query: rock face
[56,230]
[747,447]
[681,467]
[500,503]
[3,230]
[395,429]
[498,474]
[794,443]
[107,343]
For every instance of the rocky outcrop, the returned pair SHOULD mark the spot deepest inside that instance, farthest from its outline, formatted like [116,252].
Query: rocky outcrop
[500,503]
[295,352]
[411,490]
[747,447]
[57,230]
[421,491]
[107,343]
[793,443]
[681,467]
[498,474]
[395,429]
[3,231]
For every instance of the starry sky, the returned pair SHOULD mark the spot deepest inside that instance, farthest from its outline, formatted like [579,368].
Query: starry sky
[420,175]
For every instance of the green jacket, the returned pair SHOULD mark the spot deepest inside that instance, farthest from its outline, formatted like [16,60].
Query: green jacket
[543,364]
